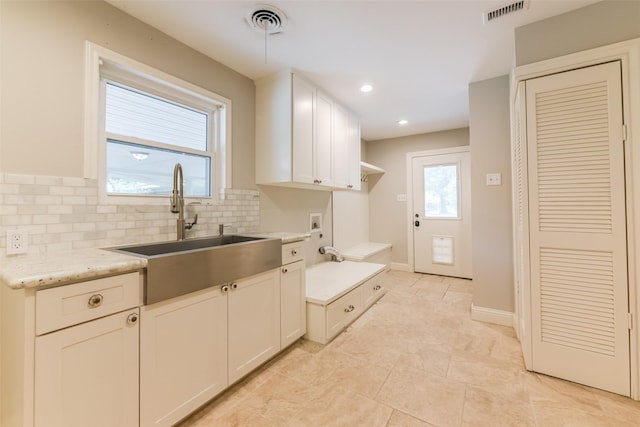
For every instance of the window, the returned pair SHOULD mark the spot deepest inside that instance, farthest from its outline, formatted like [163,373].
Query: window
[146,122]
[441,195]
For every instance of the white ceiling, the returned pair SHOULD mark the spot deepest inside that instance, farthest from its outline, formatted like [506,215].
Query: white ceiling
[420,56]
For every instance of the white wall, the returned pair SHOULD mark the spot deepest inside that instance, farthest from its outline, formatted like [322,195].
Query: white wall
[287,210]
[491,205]
[351,217]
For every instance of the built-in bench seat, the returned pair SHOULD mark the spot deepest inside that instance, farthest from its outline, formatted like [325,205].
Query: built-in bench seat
[337,293]
[379,253]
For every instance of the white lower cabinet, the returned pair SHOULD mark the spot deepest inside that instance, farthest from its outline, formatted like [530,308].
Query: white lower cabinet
[343,311]
[192,347]
[183,355]
[85,357]
[293,315]
[87,375]
[254,322]
[329,312]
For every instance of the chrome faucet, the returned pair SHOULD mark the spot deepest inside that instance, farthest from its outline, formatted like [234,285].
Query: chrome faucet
[177,203]
[335,255]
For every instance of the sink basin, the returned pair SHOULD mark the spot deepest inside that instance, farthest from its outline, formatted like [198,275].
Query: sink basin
[165,248]
[180,267]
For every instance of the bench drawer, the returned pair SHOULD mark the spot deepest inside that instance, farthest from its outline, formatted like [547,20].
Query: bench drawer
[343,311]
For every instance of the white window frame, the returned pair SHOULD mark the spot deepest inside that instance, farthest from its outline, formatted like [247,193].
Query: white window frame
[102,65]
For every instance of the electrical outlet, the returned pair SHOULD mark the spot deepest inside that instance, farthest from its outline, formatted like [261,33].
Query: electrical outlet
[16,242]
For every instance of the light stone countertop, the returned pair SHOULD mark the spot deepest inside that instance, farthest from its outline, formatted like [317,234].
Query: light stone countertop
[286,237]
[41,270]
[32,271]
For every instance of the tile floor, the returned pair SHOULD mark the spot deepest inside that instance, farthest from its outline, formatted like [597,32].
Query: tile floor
[414,359]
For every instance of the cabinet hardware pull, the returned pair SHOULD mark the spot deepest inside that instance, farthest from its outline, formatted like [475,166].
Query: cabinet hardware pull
[234,285]
[349,309]
[95,300]
[284,270]
[132,319]
[317,181]
[294,252]
[224,289]
[349,186]
[377,287]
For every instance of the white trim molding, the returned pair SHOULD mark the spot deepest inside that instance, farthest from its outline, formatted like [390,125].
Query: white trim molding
[491,315]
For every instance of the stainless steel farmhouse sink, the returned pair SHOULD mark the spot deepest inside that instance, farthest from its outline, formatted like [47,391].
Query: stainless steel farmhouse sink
[184,266]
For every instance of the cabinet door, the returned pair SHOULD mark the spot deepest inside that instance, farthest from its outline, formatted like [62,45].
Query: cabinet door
[293,315]
[323,141]
[302,128]
[346,145]
[254,322]
[87,375]
[183,355]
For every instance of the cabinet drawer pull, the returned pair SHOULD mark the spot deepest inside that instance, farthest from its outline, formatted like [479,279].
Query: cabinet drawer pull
[284,270]
[224,289]
[294,252]
[377,287]
[349,309]
[317,181]
[132,319]
[95,300]
[234,285]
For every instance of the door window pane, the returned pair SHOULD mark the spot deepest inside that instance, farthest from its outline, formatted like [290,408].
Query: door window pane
[441,193]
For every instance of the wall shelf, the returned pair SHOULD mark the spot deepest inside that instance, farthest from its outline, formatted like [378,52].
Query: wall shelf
[367,169]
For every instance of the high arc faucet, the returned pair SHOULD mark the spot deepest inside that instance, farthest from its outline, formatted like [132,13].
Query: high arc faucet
[177,203]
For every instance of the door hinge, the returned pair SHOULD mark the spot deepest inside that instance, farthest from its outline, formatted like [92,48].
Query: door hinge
[624,133]
[630,321]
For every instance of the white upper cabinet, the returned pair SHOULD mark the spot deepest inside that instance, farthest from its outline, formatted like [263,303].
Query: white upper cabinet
[346,148]
[296,136]
[323,140]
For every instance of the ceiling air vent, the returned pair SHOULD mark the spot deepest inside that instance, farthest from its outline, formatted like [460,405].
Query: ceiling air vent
[505,10]
[268,19]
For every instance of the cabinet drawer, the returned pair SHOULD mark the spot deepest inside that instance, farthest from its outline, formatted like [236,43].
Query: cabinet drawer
[372,290]
[343,311]
[292,252]
[57,308]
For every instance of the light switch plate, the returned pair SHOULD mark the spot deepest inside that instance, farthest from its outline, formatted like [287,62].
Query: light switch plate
[494,179]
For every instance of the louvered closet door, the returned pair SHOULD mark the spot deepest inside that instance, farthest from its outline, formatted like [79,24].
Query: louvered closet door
[577,227]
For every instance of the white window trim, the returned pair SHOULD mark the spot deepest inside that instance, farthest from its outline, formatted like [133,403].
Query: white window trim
[94,144]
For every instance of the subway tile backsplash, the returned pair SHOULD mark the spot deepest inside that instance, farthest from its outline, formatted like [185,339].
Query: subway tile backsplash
[63,213]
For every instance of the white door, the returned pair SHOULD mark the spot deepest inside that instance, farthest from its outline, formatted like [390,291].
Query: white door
[577,230]
[442,214]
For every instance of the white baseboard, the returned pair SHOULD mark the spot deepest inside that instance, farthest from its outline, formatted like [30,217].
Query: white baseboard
[401,267]
[491,315]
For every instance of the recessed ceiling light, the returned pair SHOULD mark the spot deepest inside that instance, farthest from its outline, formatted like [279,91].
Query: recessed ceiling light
[366,88]
[403,122]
